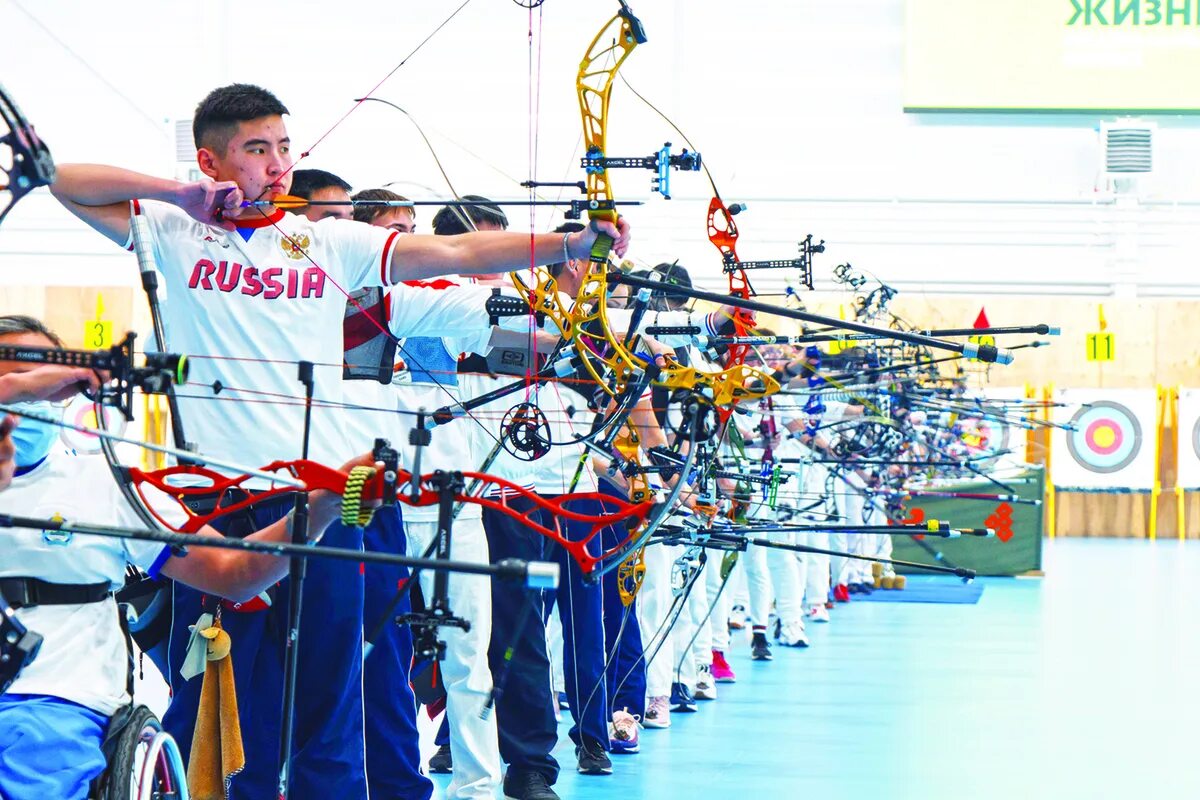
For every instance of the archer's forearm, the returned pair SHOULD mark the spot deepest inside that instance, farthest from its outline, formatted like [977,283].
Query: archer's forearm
[100,185]
[486,252]
[239,575]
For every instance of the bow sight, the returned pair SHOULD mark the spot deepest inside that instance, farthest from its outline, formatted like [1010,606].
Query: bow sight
[662,162]
[803,264]
[161,370]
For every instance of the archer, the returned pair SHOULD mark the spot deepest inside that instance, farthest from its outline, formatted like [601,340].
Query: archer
[55,716]
[252,291]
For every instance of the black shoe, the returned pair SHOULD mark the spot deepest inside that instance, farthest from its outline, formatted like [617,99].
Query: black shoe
[760,650]
[440,762]
[592,758]
[528,786]
[681,698]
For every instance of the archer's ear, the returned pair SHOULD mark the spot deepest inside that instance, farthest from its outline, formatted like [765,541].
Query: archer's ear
[207,161]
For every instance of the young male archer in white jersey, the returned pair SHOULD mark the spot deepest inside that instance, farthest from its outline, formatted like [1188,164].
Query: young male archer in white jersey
[251,291]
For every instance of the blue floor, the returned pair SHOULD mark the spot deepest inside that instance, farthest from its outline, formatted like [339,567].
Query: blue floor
[1084,684]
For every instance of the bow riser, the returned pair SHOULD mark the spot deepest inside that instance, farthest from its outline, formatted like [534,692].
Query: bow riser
[316,476]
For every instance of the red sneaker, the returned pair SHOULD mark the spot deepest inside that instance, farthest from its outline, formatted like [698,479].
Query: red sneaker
[721,671]
[841,593]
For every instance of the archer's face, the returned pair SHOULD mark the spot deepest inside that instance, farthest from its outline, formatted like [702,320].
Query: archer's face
[316,213]
[618,296]
[258,157]
[398,219]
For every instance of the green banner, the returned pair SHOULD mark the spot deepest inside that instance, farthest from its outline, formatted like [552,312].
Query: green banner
[1017,547]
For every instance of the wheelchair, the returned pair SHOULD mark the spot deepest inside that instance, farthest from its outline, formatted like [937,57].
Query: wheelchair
[143,760]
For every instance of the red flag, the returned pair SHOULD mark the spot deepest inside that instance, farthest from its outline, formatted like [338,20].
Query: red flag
[982,321]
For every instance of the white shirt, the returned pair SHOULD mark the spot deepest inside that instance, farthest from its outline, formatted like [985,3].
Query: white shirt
[83,656]
[455,315]
[389,411]
[251,295]
[557,469]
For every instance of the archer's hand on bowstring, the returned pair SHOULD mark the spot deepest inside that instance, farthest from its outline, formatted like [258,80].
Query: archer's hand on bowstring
[211,202]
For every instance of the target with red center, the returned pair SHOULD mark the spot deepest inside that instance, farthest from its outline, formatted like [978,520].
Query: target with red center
[1196,438]
[1107,437]
[82,411]
[995,431]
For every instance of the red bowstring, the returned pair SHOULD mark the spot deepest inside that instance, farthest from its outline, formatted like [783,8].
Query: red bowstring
[305,154]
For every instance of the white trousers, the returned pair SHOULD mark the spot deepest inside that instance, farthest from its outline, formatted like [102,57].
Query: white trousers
[554,647]
[653,605]
[690,637]
[718,621]
[468,680]
[773,573]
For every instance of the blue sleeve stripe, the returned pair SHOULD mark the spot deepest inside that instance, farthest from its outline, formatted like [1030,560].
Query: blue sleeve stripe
[157,566]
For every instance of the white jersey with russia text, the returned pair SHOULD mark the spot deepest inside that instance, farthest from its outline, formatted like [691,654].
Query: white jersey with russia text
[246,305]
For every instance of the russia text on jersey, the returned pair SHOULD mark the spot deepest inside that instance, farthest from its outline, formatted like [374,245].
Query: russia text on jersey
[271,283]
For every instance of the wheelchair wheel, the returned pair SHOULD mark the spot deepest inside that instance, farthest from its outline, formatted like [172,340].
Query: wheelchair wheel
[144,763]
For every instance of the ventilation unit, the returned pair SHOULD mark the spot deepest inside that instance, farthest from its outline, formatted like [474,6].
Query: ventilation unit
[185,152]
[1128,148]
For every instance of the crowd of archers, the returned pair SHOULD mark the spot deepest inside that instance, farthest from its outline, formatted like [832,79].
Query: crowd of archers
[701,484]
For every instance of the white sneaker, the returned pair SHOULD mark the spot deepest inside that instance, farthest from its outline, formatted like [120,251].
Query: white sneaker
[794,635]
[706,687]
[658,713]
[818,613]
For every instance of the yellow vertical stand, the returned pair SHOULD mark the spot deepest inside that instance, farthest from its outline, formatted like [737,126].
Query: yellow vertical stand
[1030,428]
[1180,494]
[154,422]
[1160,424]
[1051,523]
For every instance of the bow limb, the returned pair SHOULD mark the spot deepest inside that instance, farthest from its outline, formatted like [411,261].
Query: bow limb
[305,475]
[30,163]
[637,540]
[597,343]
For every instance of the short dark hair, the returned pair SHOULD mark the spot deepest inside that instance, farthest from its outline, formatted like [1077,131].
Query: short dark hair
[567,227]
[19,323]
[307,182]
[369,214]
[219,113]
[451,220]
[675,275]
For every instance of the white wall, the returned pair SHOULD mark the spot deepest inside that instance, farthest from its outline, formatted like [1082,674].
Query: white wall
[795,105]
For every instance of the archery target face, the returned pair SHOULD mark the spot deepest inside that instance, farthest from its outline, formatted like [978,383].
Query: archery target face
[1108,437]
[993,433]
[81,411]
[1196,438]
[1188,439]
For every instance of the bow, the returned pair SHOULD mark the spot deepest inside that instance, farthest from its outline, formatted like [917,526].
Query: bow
[30,164]
[605,356]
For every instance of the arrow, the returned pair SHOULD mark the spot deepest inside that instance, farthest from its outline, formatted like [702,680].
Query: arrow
[290,201]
